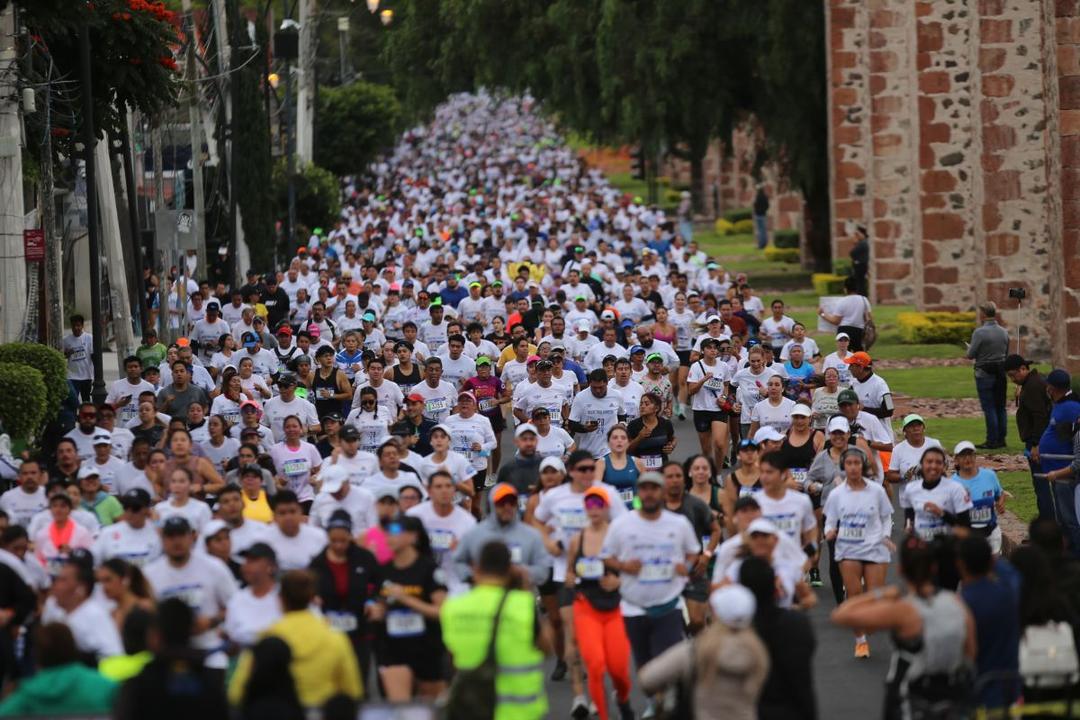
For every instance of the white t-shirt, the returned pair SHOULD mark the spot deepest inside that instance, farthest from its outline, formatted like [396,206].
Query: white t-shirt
[466,431]
[872,394]
[297,552]
[852,310]
[129,477]
[457,371]
[122,388]
[904,456]
[708,396]
[21,507]
[297,466]
[833,360]
[359,503]
[605,411]
[777,332]
[749,392]
[787,551]
[594,358]
[514,373]
[660,545]
[360,466]
[631,397]
[196,512]
[438,401]
[137,546]
[552,397]
[555,444]
[80,363]
[221,454]
[793,513]
[246,535]
[809,346]
[374,427]
[205,584]
[948,495]
[456,464]
[563,511]
[229,409]
[445,533]
[275,410]
[776,416]
[247,616]
[91,624]
[862,520]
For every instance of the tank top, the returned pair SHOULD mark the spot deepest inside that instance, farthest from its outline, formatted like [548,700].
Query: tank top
[624,480]
[403,381]
[588,571]
[670,339]
[799,457]
[191,465]
[326,386]
[741,489]
[257,509]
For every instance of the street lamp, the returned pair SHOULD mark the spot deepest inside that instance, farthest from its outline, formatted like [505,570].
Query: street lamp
[343,41]
[372,6]
[387,16]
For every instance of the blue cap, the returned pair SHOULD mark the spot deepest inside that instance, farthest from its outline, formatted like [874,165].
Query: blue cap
[636,349]
[1059,379]
[752,342]
[627,323]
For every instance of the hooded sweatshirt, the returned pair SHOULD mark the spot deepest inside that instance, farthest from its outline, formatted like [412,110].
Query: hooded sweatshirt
[525,543]
[323,661]
[72,689]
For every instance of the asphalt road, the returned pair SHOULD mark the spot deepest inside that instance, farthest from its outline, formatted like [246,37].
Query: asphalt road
[846,687]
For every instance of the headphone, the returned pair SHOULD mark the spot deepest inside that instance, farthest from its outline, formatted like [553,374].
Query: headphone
[857,451]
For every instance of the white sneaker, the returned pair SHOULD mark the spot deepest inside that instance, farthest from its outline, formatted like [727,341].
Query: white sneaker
[650,711]
[579,710]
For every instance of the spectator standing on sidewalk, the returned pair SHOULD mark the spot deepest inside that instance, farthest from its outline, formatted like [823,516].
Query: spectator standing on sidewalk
[1032,416]
[860,260]
[761,216]
[988,347]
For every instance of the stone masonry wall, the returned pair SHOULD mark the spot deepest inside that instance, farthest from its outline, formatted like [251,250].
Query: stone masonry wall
[954,140]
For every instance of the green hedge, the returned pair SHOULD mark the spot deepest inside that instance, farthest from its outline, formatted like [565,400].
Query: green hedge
[49,362]
[25,417]
[935,327]
[742,227]
[842,266]
[784,255]
[827,283]
[736,214]
[786,238]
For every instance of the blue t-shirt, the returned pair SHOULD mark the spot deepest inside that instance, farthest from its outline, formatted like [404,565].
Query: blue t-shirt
[1057,438]
[984,490]
[799,373]
[994,607]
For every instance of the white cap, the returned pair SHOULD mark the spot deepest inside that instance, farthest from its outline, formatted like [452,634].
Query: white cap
[553,462]
[842,336]
[524,428]
[444,428]
[102,437]
[607,315]
[838,424]
[87,470]
[584,326]
[213,527]
[801,410]
[963,446]
[761,525]
[767,433]
[713,318]
[734,606]
[333,477]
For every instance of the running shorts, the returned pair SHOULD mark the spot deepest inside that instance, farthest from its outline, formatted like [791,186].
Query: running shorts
[684,358]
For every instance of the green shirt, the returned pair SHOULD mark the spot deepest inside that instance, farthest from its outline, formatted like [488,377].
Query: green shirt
[151,355]
[106,507]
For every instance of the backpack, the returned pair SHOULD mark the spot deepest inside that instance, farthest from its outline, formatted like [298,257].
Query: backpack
[1048,656]
[472,693]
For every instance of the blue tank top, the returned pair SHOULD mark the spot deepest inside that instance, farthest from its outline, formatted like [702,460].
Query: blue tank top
[624,480]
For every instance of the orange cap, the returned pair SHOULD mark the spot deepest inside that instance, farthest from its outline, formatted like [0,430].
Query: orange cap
[859,358]
[599,492]
[502,491]
[182,342]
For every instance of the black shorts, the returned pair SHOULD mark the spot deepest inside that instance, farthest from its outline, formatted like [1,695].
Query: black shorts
[703,419]
[498,422]
[426,664]
[549,587]
[684,357]
[566,596]
[697,589]
[479,480]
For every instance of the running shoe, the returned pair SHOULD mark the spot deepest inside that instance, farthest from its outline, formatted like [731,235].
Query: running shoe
[580,708]
[650,711]
[862,649]
[815,577]
[559,673]
[625,711]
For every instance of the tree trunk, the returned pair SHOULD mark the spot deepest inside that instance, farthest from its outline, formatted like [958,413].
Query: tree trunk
[697,179]
[817,224]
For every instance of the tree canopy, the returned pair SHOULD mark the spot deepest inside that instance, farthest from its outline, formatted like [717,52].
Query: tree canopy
[353,123]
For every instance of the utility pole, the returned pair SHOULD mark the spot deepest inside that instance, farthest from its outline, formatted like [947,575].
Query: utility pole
[290,141]
[131,190]
[119,300]
[305,95]
[52,284]
[195,120]
[343,43]
[97,392]
[12,254]
[163,255]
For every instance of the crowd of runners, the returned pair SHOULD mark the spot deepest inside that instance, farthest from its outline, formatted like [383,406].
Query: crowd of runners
[493,348]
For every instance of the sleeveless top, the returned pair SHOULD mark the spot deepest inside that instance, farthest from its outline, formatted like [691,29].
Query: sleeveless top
[403,381]
[328,386]
[741,489]
[799,457]
[258,509]
[670,339]
[624,480]
[192,466]
[588,571]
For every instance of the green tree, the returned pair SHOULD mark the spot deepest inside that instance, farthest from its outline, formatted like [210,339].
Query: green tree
[318,197]
[353,123]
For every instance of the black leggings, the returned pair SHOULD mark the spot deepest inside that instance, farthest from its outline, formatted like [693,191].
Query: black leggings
[836,580]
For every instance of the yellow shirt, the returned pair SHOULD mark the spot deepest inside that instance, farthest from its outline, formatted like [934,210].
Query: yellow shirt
[257,509]
[508,354]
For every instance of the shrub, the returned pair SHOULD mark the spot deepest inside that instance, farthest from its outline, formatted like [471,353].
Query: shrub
[25,417]
[783,255]
[736,214]
[827,283]
[47,361]
[842,266]
[672,196]
[786,238]
[743,227]
[724,227]
[935,327]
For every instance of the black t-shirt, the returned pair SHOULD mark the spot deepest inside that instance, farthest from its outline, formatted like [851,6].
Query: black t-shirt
[698,513]
[654,442]
[404,630]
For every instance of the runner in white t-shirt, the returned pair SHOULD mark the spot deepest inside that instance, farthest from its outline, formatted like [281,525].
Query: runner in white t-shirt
[445,523]
[595,410]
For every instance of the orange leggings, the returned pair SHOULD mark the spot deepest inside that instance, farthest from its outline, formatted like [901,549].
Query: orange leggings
[602,643]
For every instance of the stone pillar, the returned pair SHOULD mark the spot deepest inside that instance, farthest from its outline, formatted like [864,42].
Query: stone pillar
[1065,264]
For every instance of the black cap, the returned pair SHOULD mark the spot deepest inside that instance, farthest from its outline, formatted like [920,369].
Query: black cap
[260,550]
[336,417]
[339,519]
[176,525]
[1015,362]
[135,498]
[251,469]
[747,501]
[287,379]
[81,556]
[349,432]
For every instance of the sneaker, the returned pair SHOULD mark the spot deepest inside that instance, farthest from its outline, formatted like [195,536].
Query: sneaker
[862,649]
[650,711]
[625,711]
[579,710]
[815,577]
[559,673]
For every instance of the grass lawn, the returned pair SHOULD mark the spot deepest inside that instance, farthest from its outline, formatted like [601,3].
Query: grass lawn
[935,382]
[1022,503]
[727,245]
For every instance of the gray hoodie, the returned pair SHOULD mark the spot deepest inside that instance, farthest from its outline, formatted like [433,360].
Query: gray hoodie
[525,543]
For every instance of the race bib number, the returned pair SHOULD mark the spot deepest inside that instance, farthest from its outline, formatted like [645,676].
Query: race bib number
[435,407]
[294,468]
[523,501]
[799,476]
[404,623]
[78,354]
[441,540]
[851,533]
[656,571]
[487,405]
[786,524]
[573,518]
[745,491]
[929,528]
[715,384]
[652,462]
[589,568]
[627,495]
[982,515]
[129,412]
[342,622]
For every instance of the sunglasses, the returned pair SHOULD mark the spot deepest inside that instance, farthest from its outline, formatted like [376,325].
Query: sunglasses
[584,468]
[594,502]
